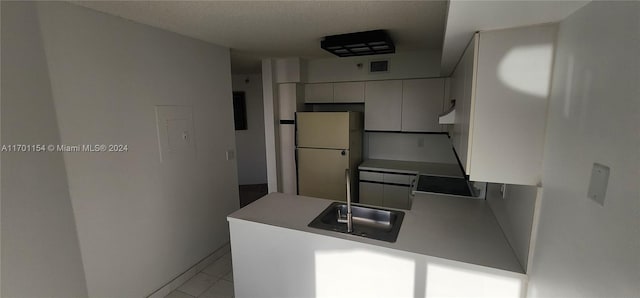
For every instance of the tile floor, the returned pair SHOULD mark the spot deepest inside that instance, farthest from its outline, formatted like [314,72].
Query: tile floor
[215,281]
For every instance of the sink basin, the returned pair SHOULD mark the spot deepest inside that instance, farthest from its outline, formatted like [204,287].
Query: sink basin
[374,223]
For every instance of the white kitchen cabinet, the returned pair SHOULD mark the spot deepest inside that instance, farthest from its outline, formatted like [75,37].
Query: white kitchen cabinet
[462,90]
[396,196]
[371,193]
[501,88]
[386,189]
[318,93]
[422,101]
[383,105]
[348,92]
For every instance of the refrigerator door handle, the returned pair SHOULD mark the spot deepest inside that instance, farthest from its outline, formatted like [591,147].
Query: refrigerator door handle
[343,153]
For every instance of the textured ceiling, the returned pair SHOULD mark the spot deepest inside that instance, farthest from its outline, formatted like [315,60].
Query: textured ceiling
[257,29]
[467,17]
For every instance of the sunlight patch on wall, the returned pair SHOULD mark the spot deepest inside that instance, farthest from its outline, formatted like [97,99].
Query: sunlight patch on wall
[527,69]
[359,273]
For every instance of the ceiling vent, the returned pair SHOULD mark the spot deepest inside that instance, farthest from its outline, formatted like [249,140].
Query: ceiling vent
[359,44]
[379,66]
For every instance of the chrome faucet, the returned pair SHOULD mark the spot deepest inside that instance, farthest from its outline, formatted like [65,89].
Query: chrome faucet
[349,215]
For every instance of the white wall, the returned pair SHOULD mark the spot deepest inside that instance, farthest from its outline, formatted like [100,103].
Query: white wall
[405,65]
[515,215]
[140,222]
[289,70]
[435,148]
[40,249]
[250,143]
[271,123]
[585,249]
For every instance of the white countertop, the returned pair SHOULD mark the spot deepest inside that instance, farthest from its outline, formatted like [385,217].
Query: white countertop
[412,167]
[457,229]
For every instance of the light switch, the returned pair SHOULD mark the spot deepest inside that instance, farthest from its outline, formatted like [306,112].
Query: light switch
[598,183]
[503,191]
[230,155]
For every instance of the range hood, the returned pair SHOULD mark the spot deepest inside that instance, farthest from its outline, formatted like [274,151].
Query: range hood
[448,117]
[359,44]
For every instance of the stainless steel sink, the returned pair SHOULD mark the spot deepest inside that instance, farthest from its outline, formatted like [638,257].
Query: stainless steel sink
[374,223]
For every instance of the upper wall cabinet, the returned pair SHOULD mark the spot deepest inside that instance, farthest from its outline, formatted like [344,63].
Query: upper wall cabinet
[318,93]
[348,92]
[383,105]
[345,92]
[462,81]
[422,101]
[501,88]
[404,105]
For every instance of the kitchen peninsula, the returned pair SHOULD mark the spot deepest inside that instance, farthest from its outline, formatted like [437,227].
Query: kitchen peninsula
[442,241]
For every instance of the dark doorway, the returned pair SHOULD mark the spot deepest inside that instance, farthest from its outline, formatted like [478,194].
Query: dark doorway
[239,110]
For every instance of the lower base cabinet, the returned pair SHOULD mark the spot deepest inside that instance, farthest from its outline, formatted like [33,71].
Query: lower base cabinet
[371,193]
[393,194]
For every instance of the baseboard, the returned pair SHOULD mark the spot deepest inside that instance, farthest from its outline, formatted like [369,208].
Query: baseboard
[191,272]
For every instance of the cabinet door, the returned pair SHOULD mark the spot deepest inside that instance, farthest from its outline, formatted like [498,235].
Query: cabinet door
[462,84]
[371,193]
[395,196]
[383,105]
[348,92]
[421,104]
[318,93]
[457,91]
[509,110]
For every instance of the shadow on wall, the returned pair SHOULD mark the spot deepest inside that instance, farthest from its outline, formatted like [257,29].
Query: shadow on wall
[40,248]
[252,192]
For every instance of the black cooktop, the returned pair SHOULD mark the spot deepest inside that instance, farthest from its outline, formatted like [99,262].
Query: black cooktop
[445,185]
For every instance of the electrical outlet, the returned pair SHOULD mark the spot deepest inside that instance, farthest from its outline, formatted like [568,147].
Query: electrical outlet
[503,191]
[598,183]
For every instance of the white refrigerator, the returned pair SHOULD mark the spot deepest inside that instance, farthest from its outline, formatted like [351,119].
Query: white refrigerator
[327,143]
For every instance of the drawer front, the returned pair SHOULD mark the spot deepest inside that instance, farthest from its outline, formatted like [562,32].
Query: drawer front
[397,179]
[371,176]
